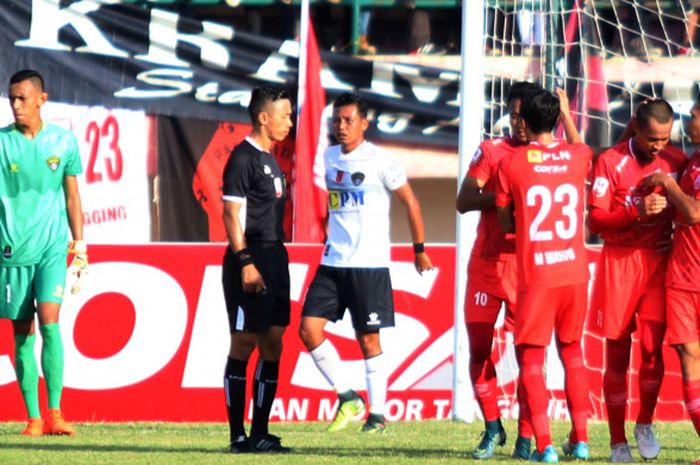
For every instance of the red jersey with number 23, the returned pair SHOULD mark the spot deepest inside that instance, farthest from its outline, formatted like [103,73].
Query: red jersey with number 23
[546,186]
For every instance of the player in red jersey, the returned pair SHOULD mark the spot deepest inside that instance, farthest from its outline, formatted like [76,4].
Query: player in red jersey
[682,286]
[540,196]
[636,228]
[491,276]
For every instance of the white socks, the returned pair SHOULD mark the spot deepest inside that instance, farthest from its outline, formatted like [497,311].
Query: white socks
[327,361]
[376,383]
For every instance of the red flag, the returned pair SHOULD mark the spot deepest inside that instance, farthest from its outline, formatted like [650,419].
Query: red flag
[309,184]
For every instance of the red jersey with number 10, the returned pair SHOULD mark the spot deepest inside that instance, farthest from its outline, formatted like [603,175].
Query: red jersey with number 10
[684,264]
[490,241]
[546,186]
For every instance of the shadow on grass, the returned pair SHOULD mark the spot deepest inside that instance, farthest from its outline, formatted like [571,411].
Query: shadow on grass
[55,447]
[369,452]
[311,451]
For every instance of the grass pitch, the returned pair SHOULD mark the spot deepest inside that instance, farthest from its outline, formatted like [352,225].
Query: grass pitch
[427,442]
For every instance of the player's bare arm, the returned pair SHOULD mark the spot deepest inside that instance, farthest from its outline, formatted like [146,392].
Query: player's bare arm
[688,207]
[415,222]
[470,196]
[251,279]
[572,134]
[74,207]
[505,217]
[77,249]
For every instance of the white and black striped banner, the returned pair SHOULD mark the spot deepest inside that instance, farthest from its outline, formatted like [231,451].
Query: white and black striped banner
[119,55]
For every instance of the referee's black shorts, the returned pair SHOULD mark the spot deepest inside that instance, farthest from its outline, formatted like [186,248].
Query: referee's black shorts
[365,292]
[255,313]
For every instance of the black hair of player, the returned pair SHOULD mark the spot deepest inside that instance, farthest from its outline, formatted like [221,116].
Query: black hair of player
[28,74]
[347,98]
[540,111]
[518,90]
[657,109]
[261,96]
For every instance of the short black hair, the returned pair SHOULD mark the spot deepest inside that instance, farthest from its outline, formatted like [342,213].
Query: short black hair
[540,110]
[520,89]
[347,98]
[657,109]
[25,74]
[261,96]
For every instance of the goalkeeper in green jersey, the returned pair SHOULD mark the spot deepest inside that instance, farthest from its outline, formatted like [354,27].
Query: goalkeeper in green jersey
[39,197]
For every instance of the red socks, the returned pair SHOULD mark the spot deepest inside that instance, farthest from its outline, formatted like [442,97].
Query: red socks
[691,394]
[615,386]
[576,387]
[651,370]
[531,361]
[481,369]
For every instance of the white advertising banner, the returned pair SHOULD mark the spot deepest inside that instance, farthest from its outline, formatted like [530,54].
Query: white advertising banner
[114,184]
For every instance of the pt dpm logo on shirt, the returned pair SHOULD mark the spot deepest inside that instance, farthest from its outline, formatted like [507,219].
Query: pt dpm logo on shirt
[341,199]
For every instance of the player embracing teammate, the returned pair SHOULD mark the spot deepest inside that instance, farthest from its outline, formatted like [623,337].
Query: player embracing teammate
[629,291]
[540,196]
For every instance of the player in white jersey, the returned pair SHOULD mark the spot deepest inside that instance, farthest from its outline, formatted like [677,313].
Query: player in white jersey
[354,270]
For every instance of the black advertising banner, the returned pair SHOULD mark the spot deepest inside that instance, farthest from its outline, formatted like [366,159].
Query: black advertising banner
[155,59]
[192,154]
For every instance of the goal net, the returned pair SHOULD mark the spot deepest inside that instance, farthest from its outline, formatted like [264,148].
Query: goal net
[608,56]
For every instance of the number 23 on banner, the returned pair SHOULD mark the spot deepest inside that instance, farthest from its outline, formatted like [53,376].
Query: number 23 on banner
[108,160]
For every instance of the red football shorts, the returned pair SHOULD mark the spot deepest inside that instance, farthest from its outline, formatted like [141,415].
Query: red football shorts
[629,281]
[490,283]
[682,316]
[539,311]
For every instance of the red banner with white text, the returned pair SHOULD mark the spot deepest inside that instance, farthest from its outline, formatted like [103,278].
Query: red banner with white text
[147,339]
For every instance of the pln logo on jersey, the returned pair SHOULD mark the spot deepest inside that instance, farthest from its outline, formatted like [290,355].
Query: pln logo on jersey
[53,161]
[14,168]
[534,156]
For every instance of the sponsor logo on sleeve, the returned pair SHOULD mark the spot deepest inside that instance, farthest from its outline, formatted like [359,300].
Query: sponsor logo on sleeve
[476,157]
[600,186]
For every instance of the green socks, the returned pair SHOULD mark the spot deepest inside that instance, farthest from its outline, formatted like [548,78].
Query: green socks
[52,362]
[27,373]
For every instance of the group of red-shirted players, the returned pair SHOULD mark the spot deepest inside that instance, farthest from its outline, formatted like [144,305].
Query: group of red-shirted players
[529,257]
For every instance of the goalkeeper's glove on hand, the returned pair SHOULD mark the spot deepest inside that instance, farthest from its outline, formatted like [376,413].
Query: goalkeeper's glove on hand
[78,264]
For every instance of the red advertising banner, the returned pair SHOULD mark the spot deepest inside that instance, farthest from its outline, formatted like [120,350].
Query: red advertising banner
[147,339]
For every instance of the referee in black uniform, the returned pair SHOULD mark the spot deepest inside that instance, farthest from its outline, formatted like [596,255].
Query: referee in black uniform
[255,270]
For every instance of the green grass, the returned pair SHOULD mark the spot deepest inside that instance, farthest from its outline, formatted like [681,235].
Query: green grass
[428,442]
